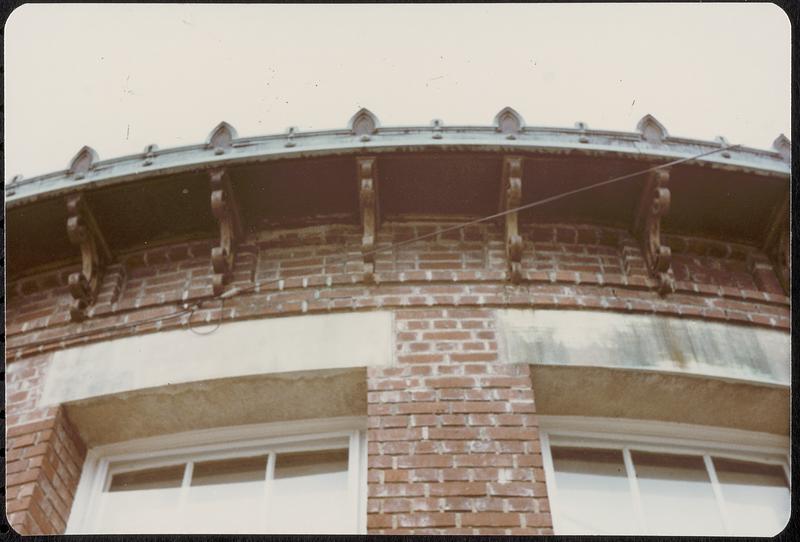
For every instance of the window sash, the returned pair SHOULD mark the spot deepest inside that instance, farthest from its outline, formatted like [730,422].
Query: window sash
[103,462]
[605,433]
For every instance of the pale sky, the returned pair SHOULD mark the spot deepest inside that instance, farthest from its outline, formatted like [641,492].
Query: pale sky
[119,77]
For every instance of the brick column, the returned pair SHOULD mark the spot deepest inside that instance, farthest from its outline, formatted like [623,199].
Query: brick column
[453,439]
[44,455]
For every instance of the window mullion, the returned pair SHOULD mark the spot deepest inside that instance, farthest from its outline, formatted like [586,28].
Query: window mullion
[268,480]
[362,482]
[182,497]
[712,475]
[787,471]
[352,471]
[99,492]
[634,485]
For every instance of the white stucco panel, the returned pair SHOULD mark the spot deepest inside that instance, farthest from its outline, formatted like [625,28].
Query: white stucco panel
[300,343]
[645,341]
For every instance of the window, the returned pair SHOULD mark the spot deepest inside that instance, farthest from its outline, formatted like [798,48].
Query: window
[305,483]
[649,478]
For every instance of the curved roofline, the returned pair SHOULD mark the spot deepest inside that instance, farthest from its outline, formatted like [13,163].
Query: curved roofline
[293,144]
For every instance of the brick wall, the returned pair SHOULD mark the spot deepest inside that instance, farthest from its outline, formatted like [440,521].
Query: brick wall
[453,440]
[443,292]
[43,466]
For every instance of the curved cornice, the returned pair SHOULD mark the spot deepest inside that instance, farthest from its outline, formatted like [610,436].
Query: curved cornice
[435,137]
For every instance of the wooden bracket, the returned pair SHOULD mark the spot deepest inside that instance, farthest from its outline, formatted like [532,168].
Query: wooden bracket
[83,231]
[777,245]
[226,211]
[511,197]
[653,205]
[370,212]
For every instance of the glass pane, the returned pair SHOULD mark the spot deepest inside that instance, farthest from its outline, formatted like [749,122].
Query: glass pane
[230,471]
[594,494]
[676,493]
[756,496]
[309,494]
[227,496]
[295,464]
[143,501]
[158,478]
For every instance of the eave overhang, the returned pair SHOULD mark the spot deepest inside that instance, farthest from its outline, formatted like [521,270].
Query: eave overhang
[533,140]
[289,178]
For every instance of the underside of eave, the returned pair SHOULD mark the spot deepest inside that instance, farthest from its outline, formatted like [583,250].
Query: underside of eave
[711,202]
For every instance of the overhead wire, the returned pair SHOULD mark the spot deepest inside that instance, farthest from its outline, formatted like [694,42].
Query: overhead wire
[191,309]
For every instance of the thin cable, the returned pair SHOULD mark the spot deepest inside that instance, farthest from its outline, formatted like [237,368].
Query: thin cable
[548,200]
[345,257]
[218,322]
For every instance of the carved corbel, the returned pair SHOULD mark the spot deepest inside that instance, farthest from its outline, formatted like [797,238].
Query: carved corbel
[83,231]
[510,198]
[777,245]
[226,211]
[370,213]
[653,205]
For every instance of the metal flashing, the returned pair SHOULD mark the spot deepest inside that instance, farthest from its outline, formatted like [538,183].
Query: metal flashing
[365,135]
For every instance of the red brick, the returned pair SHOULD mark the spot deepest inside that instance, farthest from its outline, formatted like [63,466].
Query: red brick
[390,476]
[484,460]
[378,521]
[443,519]
[490,519]
[452,433]
[23,440]
[22,477]
[390,506]
[452,382]
[538,520]
[424,461]
[483,356]
[458,489]
[421,358]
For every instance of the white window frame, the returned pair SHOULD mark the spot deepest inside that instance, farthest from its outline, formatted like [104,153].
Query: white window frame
[655,436]
[221,443]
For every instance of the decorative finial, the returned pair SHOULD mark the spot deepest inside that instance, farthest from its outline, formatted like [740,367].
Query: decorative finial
[221,137]
[290,137]
[363,123]
[149,154]
[652,131]
[437,128]
[723,142]
[783,145]
[582,126]
[82,162]
[508,121]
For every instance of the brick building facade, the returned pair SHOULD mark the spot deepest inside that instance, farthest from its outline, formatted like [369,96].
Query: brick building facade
[447,403]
